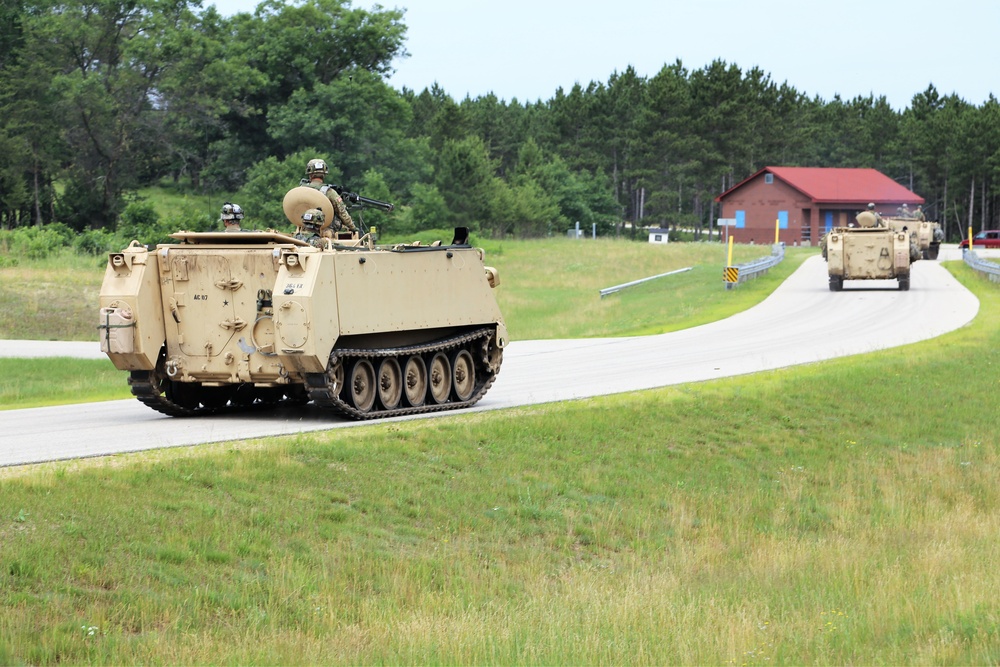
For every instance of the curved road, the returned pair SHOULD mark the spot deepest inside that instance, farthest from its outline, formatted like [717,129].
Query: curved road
[801,322]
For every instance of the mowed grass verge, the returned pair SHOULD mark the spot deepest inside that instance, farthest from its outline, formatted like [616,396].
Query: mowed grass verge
[838,513]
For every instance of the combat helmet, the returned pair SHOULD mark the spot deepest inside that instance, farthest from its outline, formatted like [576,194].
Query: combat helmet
[231,212]
[313,218]
[316,168]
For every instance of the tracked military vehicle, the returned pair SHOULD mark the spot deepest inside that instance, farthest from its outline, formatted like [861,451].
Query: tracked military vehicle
[926,235]
[869,251]
[246,320]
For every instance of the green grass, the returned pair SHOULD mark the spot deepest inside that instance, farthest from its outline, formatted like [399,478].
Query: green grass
[32,383]
[844,512]
[170,200]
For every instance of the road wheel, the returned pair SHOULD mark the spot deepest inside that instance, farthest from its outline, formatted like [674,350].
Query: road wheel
[904,284]
[439,376]
[361,388]
[415,381]
[463,375]
[390,383]
[836,283]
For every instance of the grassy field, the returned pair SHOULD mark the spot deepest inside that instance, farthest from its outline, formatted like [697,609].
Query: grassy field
[844,512]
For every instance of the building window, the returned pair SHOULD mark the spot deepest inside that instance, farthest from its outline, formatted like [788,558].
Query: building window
[769,178]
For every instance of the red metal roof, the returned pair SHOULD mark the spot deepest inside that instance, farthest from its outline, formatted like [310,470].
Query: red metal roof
[835,185]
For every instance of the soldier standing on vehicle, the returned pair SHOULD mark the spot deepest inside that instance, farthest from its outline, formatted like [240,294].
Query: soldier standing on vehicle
[919,214]
[316,172]
[231,216]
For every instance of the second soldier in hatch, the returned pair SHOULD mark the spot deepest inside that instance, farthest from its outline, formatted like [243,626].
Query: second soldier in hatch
[231,216]
[316,171]
[312,228]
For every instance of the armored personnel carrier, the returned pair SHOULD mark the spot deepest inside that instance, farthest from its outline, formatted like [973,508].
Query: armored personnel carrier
[224,321]
[867,253]
[926,235]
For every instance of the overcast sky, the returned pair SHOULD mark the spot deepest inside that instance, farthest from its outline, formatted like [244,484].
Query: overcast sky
[526,49]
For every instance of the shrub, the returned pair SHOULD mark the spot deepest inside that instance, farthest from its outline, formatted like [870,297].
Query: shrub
[38,242]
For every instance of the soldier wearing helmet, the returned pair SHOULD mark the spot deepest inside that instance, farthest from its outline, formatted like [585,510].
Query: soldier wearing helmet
[919,214]
[316,171]
[869,218]
[312,227]
[231,216]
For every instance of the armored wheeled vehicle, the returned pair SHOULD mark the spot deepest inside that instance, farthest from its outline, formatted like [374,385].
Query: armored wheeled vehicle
[867,253]
[926,235]
[245,320]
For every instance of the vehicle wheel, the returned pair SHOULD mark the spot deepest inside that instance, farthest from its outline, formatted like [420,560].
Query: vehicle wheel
[439,376]
[836,283]
[463,375]
[361,389]
[415,381]
[390,383]
[904,284]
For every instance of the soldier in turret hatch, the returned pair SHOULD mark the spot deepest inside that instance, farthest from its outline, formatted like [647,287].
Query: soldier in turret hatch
[231,216]
[316,172]
[869,218]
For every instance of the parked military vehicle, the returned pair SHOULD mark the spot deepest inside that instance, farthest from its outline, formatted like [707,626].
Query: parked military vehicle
[223,321]
[927,236]
[870,251]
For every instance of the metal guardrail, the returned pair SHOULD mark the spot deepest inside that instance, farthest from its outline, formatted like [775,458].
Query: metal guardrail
[991,269]
[744,272]
[611,290]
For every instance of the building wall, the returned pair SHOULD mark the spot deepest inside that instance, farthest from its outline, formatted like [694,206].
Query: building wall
[764,203]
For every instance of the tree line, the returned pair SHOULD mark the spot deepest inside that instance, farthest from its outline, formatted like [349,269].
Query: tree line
[99,98]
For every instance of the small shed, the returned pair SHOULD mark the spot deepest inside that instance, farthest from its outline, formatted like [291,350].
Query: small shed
[806,202]
[657,235]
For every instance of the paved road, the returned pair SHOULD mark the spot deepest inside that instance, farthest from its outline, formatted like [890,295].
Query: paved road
[801,322]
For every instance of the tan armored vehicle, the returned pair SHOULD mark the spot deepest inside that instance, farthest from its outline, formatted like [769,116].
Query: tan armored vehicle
[870,251]
[253,319]
[926,235]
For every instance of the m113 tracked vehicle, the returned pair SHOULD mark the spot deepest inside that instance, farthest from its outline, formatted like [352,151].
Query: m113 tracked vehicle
[870,251]
[926,235]
[223,321]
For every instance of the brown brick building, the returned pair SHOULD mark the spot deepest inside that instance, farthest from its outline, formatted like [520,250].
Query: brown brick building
[805,202]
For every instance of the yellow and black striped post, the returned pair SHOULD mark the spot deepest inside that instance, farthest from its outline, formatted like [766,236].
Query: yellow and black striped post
[731,274]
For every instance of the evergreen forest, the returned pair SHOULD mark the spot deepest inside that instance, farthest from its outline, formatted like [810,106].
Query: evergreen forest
[102,98]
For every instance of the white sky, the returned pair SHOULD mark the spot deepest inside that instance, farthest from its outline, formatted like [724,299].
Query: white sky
[527,49]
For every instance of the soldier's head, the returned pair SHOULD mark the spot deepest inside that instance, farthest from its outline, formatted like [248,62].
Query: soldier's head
[316,169]
[919,207]
[313,219]
[231,214]
[871,207]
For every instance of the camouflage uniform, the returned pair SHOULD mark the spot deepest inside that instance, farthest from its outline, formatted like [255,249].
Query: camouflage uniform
[869,218]
[919,214]
[312,223]
[315,171]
